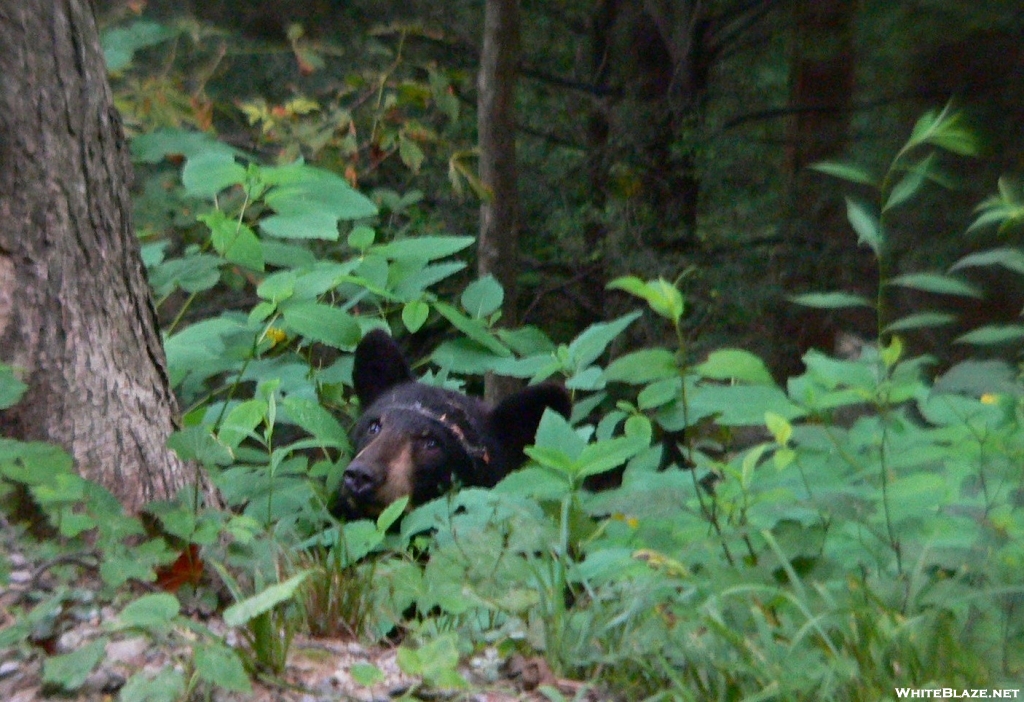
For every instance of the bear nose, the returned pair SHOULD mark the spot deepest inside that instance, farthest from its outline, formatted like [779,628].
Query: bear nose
[359,481]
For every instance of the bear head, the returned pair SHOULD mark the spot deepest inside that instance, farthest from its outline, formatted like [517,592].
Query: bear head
[417,440]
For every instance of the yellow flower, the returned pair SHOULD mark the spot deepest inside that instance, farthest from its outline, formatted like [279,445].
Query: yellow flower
[989,398]
[276,335]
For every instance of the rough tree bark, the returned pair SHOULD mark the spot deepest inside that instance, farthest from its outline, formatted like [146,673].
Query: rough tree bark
[498,246]
[76,319]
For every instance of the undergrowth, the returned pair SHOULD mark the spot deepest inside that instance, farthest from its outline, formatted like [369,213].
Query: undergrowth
[866,534]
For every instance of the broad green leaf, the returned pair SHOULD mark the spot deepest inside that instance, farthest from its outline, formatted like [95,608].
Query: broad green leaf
[592,342]
[217,664]
[361,238]
[153,147]
[11,388]
[556,434]
[299,188]
[603,456]
[473,328]
[69,671]
[168,685]
[153,611]
[830,300]
[661,296]
[318,322]
[425,248]
[992,334]
[308,224]
[483,297]
[207,174]
[241,421]
[935,283]
[196,444]
[642,366]
[845,171]
[315,420]
[659,393]
[414,315]
[121,43]
[866,224]
[193,273]
[735,364]
[243,612]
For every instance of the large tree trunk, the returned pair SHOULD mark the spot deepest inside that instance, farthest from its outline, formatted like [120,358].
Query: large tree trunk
[76,319]
[498,247]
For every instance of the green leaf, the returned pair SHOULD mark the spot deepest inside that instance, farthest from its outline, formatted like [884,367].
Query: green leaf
[909,185]
[1010,258]
[196,444]
[735,364]
[70,670]
[309,224]
[483,297]
[410,153]
[206,174]
[866,224]
[166,686]
[318,322]
[830,300]
[935,283]
[366,674]
[424,248]
[11,388]
[556,434]
[661,296]
[154,612]
[414,315]
[315,420]
[592,341]
[241,421]
[921,320]
[473,328]
[243,612]
[361,238]
[391,514]
[603,456]
[217,664]
[121,43]
[992,334]
[298,188]
[845,171]
[154,147]
[642,366]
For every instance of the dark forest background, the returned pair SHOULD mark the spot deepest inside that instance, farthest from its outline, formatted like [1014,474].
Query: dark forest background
[663,138]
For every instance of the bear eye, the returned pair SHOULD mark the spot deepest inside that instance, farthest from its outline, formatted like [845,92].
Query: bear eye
[429,443]
[374,428]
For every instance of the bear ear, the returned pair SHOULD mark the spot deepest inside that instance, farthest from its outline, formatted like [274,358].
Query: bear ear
[379,365]
[514,420]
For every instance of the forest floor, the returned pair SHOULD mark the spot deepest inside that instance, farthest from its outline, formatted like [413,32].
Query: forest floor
[318,670]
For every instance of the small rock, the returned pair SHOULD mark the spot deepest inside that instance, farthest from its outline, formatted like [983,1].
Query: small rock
[9,668]
[127,651]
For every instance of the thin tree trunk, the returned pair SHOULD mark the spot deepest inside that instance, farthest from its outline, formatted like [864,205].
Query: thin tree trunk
[498,247]
[76,319]
[821,253]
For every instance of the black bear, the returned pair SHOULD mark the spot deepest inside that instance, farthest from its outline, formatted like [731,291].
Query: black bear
[417,440]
